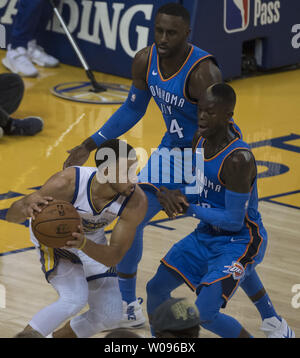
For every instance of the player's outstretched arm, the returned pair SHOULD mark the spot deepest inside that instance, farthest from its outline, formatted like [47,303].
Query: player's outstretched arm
[131,111]
[60,186]
[122,236]
[238,174]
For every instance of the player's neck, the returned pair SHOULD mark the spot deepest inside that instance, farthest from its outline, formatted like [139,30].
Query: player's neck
[102,192]
[217,142]
[170,65]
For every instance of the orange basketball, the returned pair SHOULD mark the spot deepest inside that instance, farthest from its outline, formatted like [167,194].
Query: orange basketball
[54,225]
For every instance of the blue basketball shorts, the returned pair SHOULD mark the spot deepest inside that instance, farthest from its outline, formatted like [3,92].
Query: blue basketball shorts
[205,257]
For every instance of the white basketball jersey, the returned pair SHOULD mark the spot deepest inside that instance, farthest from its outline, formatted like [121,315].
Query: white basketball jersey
[94,221]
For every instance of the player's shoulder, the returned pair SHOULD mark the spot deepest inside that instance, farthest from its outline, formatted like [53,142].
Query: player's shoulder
[239,167]
[205,72]
[84,171]
[139,197]
[66,174]
[140,62]
[65,178]
[240,159]
[207,65]
[138,203]
[61,185]
[143,54]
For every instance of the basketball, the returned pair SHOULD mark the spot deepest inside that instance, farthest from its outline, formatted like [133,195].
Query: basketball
[54,225]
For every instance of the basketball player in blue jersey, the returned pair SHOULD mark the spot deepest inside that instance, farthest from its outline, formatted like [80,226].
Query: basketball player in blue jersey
[222,253]
[84,271]
[176,74]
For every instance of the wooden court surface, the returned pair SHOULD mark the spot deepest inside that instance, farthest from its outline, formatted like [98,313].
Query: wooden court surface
[268,113]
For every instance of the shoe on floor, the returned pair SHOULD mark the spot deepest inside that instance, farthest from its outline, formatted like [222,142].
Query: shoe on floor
[133,316]
[28,126]
[273,328]
[38,55]
[17,61]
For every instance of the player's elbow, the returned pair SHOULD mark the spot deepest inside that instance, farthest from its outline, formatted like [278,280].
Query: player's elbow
[112,262]
[14,215]
[13,219]
[9,217]
[115,258]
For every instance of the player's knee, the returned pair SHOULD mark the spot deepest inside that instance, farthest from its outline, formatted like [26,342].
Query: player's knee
[75,303]
[163,283]
[209,302]
[106,308]
[208,311]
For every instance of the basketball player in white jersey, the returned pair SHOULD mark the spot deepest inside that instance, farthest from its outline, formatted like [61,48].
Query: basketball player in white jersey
[84,270]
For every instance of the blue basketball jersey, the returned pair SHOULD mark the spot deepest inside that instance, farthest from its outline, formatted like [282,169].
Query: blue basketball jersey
[179,112]
[210,254]
[213,193]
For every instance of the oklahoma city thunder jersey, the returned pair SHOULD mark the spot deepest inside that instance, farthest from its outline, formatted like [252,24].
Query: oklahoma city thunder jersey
[210,254]
[213,193]
[179,112]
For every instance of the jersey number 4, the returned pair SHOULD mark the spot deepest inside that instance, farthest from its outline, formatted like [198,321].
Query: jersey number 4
[174,128]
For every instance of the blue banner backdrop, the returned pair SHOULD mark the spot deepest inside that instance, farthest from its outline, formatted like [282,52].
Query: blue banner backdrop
[109,33]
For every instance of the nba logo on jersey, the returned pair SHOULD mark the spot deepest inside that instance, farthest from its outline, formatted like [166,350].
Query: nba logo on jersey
[236,15]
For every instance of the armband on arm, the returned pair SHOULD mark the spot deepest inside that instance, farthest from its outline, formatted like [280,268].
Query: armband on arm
[131,111]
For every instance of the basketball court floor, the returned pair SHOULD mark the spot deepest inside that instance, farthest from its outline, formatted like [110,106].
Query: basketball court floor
[268,112]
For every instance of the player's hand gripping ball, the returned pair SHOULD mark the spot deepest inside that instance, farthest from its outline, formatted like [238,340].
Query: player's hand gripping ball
[54,225]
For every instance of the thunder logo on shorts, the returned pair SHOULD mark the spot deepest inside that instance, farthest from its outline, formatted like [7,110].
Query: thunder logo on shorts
[236,15]
[236,269]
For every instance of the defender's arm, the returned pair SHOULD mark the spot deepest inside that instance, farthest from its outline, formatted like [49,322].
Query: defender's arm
[128,115]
